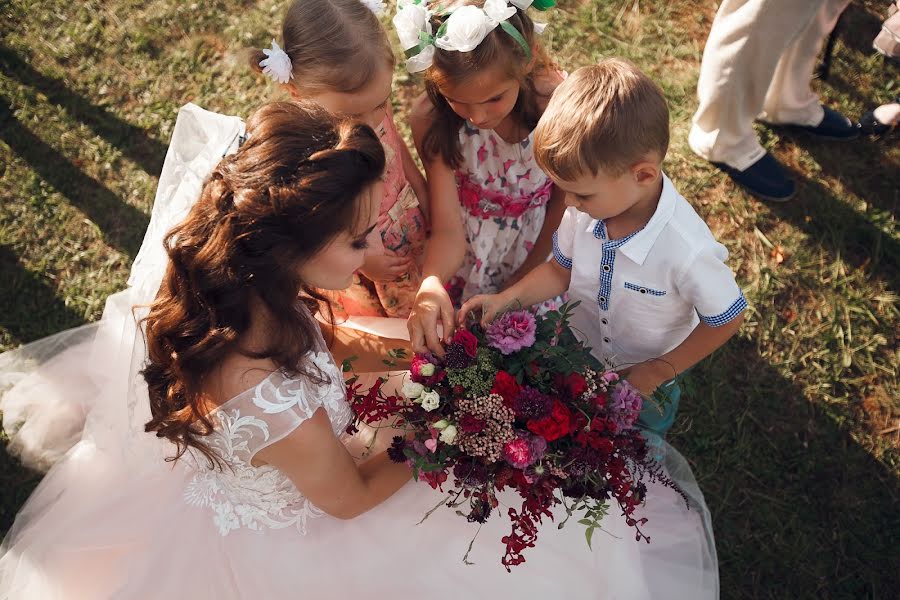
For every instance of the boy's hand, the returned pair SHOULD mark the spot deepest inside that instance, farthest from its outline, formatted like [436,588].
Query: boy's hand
[649,375]
[490,305]
[387,267]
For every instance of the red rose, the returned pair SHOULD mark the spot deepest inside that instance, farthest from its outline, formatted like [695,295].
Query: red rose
[467,340]
[506,386]
[575,384]
[554,426]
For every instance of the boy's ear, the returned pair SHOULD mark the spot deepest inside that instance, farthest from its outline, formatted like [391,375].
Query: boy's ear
[645,172]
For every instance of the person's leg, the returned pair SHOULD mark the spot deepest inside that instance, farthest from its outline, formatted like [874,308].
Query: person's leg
[745,45]
[790,98]
[658,415]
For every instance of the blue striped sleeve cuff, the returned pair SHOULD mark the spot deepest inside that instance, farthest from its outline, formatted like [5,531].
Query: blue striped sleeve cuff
[558,255]
[739,306]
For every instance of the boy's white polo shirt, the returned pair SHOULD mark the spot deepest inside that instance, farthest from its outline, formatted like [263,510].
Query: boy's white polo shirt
[642,295]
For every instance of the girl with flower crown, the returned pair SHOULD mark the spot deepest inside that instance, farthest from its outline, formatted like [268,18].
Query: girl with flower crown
[494,211]
[336,54]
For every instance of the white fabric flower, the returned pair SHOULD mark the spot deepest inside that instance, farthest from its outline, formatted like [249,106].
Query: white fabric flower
[466,28]
[430,400]
[498,10]
[421,61]
[539,28]
[448,435]
[521,4]
[412,390]
[410,20]
[376,6]
[277,64]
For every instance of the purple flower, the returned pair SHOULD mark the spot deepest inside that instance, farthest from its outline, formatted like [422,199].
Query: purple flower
[524,450]
[512,331]
[625,405]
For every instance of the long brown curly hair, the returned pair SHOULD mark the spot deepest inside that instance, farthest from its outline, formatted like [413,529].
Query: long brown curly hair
[265,210]
[452,68]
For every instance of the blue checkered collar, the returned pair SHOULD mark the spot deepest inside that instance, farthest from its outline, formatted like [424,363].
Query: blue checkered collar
[638,245]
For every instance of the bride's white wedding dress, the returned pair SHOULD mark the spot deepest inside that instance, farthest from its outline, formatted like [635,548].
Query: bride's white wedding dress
[113,519]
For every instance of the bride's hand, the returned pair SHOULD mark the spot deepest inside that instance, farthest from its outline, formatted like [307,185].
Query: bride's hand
[432,305]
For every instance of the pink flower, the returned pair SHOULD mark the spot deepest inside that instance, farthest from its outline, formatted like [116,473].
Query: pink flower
[524,450]
[512,331]
[423,370]
[625,405]
[431,445]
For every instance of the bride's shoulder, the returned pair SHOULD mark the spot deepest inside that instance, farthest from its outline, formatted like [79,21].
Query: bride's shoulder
[234,376]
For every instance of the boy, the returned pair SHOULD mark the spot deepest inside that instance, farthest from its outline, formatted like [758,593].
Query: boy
[656,296]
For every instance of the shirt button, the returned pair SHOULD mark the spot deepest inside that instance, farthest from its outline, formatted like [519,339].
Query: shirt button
[602,299]
[606,340]
[643,290]
[604,321]
[607,268]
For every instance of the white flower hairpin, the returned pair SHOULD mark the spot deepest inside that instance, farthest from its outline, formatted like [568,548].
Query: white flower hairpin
[277,64]
[376,6]
[462,31]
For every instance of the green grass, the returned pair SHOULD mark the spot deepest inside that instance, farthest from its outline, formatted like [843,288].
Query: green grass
[792,429]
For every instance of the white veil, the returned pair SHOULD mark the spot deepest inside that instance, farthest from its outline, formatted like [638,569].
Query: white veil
[50,388]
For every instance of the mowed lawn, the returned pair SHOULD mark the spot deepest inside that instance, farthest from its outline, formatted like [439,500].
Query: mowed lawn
[793,429]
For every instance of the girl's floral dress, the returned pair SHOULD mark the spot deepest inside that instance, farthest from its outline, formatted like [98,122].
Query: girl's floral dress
[402,228]
[503,195]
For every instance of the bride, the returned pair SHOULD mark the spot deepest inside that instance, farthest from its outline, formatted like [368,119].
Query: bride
[196,432]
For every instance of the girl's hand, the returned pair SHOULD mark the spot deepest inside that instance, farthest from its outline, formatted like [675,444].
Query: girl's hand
[432,304]
[387,267]
[490,305]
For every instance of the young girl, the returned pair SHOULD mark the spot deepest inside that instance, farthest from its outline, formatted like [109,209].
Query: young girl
[241,486]
[494,211]
[336,54]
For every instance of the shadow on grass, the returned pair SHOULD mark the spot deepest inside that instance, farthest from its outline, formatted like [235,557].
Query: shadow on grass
[133,141]
[16,484]
[31,308]
[122,225]
[807,513]
[837,226]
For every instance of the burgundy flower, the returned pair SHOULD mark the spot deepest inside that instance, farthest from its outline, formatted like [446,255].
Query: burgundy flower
[467,340]
[532,404]
[471,424]
[506,386]
[554,426]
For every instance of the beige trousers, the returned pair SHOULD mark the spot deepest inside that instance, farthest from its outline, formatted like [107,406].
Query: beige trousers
[758,63]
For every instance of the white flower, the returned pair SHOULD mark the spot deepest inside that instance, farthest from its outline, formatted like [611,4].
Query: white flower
[412,390]
[410,20]
[421,61]
[466,28]
[430,400]
[376,6]
[442,424]
[277,65]
[498,10]
[427,370]
[448,435]
[539,28]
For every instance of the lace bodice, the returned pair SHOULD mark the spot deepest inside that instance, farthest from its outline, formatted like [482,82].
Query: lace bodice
[258,497]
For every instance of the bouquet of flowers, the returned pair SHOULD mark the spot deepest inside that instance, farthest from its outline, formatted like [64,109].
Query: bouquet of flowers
[520,405]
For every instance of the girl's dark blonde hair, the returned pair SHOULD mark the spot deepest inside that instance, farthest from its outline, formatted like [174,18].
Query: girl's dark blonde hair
[452,68]
[334,45]
[291,188]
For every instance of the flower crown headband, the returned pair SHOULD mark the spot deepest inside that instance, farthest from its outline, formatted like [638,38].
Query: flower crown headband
[464,29]
[277,63]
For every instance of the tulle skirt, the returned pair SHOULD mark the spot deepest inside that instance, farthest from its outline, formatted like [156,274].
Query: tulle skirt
[110,520]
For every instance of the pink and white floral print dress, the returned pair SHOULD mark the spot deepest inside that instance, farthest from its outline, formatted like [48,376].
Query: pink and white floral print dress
[503,196]
[402,227]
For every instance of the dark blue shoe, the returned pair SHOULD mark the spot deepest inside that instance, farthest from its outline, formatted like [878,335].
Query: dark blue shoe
[765,179]
[834,126]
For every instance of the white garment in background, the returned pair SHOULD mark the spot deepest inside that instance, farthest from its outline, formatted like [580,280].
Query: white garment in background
[758,63]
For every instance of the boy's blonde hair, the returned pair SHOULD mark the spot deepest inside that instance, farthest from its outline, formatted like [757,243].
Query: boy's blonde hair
[608,116]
